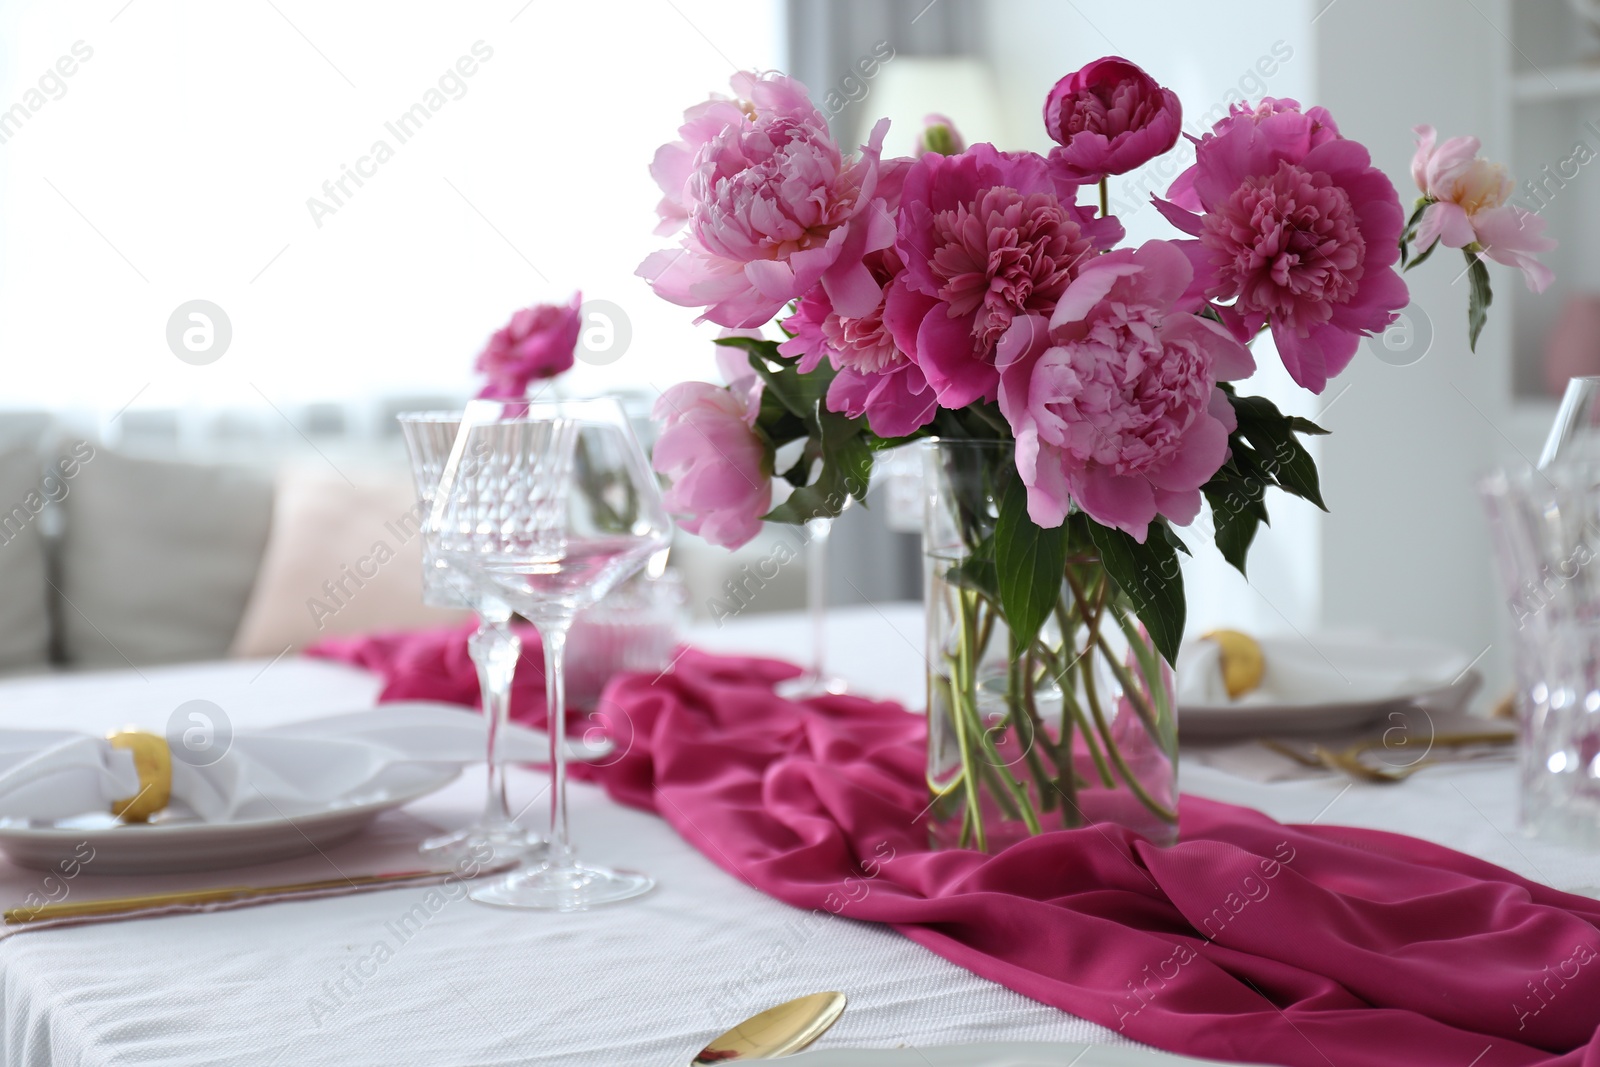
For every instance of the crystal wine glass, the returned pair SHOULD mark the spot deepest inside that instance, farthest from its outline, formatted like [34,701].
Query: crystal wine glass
[494,649]
[1576,430]
[816,681]
[548,505]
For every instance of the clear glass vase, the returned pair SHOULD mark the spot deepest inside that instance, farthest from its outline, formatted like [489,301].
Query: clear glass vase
[1079,728]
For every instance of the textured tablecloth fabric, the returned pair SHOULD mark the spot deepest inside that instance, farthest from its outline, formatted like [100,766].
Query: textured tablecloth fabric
[1248,939]
[370,979]
[646,983]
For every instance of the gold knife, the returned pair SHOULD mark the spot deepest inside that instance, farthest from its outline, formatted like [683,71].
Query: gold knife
[113,906]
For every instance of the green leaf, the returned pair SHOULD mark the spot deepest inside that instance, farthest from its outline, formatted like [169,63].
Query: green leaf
[977,572]
[801,394]
[1235,525]
[1279,454]
[1029,563]
[756,346]
[1161,526]
[835,464]
[1300,425]
[1416,215]
[1149,577]
[846,469]
[1417,261]
[1410,232]
[1479,297]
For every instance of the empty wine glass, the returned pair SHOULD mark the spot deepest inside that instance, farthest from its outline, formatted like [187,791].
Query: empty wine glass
[1577,422]
[816,681]
[548,505]
[429,437]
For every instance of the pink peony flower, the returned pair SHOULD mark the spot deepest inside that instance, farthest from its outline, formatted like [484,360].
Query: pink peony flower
[1109,118]
[538,342]
[769,99]
[772,208]
[1113,398]
[720,470]
[1469,207]
[938,134]
[986,236]
[873,377]
[1294,222]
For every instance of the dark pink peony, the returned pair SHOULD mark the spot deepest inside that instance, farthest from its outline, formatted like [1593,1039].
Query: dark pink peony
[1113,398]
[873,376]
[1109,118]
[1295,224]
[986,236]
[538,342]
[771,205]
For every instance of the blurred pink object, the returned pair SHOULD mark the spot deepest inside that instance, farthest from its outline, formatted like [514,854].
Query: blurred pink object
[634,628]
[938,134]
[539,342]
[1573,348]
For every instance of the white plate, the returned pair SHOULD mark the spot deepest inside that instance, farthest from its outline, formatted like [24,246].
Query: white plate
[1355,658]
[999,1054]
[164,847]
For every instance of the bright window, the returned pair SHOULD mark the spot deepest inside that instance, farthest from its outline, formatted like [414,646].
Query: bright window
[366,190]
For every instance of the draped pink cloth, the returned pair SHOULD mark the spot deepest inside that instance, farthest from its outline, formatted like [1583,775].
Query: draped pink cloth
[1248,940]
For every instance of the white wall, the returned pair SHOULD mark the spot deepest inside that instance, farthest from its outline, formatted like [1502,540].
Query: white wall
[1211,55]
[178,160]
[1406,545]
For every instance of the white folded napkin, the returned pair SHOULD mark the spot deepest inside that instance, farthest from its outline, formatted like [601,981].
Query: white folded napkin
[1320,669]
[305,767]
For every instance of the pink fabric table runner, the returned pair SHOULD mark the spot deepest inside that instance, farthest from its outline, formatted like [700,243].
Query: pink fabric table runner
[1247,940]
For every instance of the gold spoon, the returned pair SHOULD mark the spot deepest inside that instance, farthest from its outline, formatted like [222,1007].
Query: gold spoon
[778,1031]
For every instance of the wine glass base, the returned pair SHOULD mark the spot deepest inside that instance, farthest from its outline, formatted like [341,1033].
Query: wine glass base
[811,684]
[574,888]
[488,846]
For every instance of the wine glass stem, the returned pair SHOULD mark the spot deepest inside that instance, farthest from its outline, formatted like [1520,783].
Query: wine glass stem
[494,650]
[553,635]
[817,530]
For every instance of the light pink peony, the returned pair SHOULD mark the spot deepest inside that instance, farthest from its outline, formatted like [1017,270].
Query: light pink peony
[1295,223]
[1469,206]
[771,205]
[719,468]
[986,236]
[766,99]
[538,342]
[733,364]
[1113,398]
[938,134]
[1109,118]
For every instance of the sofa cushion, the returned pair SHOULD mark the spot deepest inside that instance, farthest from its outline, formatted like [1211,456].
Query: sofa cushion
[157,559]
[26,493]
[343,558]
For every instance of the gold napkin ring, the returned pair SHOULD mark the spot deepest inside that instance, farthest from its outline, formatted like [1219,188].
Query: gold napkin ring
[153,760]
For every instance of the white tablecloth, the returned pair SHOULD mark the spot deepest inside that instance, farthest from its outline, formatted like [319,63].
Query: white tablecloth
[329,982]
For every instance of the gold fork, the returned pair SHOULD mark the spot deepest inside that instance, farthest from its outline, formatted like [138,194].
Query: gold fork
[1348,760]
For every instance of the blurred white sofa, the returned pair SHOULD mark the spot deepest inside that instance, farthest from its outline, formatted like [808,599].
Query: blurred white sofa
[169,546]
